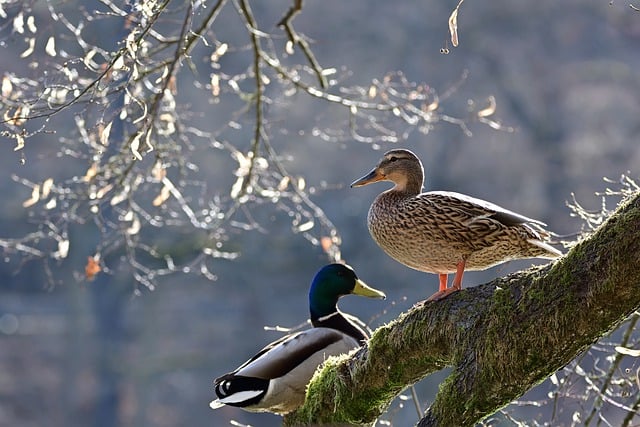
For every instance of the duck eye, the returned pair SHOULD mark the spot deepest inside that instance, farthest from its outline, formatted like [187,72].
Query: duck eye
[393,159]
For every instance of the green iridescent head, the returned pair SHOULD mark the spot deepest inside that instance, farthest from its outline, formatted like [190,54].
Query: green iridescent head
[332,282]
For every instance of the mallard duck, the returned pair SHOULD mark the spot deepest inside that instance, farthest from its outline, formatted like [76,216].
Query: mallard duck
[275,379]
[443,232]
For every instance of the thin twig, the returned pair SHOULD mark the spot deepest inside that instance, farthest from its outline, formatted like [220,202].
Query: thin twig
[252,26]
[294,38]
[317,93]
[107,70]
[612,369]
[172,69]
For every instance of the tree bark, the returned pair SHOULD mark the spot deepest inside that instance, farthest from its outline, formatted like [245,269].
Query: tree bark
[501,338]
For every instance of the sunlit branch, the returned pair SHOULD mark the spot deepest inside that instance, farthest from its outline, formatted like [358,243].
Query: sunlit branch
[198,33]
[295,79]
[613,369]
[108,69]
[172,70]
[258,100]
[287,23]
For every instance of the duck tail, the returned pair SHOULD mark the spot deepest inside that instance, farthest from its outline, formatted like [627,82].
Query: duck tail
[215,404]
[238,390]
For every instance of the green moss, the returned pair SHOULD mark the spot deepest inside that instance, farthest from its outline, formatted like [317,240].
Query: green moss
[447,400]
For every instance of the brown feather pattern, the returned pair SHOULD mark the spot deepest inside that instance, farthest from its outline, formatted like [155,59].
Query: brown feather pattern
[434,231]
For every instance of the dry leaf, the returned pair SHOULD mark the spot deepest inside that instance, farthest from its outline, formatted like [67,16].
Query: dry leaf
[7,87]
[165,73]
[301,184]
[433,106]
[305,227]
[148,8]
[373,91]
[19,143]
[330,246]
[628,351]
[158,171]
[147,141]
[288,47]
[490,109]
[92,268]
[103,191]
[31,24]
[130,43]
[284,182]
[326,243]
[47,185]
[63,249]
[128,216]
[119,63]
[104,134]
[91,172]
[215,84]
[135,146]
[18,118]
[35,196]
[163,196]
[237,187]
[453,24]
[18,23]
[168,122]
[52,203]
[50,48]
[135,227]
[30,49]
[135,74]
[58,95]
[221,50]
[120,197]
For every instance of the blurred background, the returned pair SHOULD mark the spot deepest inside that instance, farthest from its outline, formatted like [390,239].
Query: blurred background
[109,352]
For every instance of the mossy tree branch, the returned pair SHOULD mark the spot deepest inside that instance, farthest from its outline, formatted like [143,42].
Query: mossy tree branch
[501,338]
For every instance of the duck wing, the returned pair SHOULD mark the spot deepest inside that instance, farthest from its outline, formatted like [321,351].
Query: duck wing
[476,209]
[284,355]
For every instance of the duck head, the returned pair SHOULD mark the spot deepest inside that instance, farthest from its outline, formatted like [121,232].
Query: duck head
[399,166]
[332,282]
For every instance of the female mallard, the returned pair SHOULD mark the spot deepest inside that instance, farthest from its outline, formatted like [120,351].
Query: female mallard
[444,232]
[275,379]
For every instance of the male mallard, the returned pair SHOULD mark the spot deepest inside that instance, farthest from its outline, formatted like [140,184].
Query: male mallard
[275,379]
[444,232]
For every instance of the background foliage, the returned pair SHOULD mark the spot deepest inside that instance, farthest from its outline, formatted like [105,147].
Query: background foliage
[203,152]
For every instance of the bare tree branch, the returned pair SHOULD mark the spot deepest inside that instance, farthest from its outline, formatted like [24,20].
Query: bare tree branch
[295,39]
[133,129]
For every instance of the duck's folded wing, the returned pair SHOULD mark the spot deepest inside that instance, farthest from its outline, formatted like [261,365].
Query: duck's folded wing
[473,207]
[284,355]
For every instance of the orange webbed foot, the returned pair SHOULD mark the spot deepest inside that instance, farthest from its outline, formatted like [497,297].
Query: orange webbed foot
[442,294]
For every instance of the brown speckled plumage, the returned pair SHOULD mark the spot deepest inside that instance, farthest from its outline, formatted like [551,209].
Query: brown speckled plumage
[443,232]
